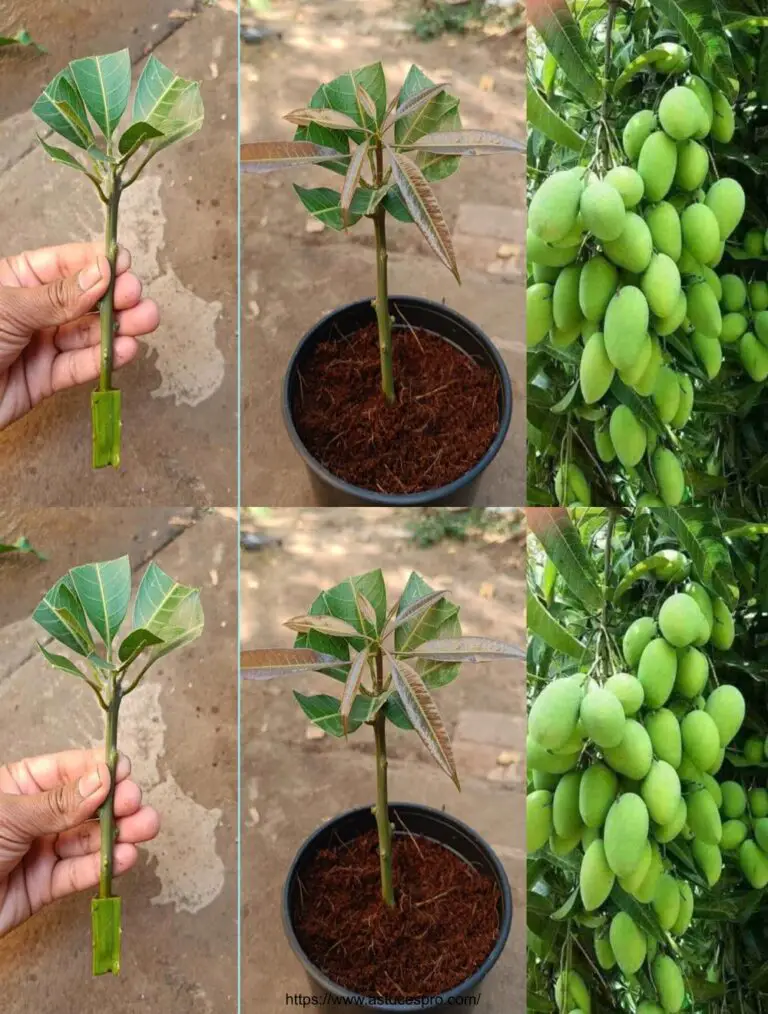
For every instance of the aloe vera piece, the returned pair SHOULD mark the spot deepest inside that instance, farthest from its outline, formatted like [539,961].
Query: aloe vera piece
[106,933]
[107,425]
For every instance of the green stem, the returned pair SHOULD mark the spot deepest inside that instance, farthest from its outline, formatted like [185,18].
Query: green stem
[383,824]
[107,815]
[382,288]
[107,312]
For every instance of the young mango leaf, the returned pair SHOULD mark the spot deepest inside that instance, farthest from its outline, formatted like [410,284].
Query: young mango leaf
[61,155]
[441,112]
[562,36]
[352,686]
[61,662]
[343,95]
[325,205]
[21,545]
[542,117]
[62,109]
[136,135]
[441,619]
[393,709]
[325,712]
[467,649]
[417,100]
[425,211]
[186,119]
[135,643]
[61,615]
[104,589]
[157,600]
[157,93]
[324,117]
[465,142]
[542,624]
[393,204]
[330,625]
[267,156]
[417,607]
[366,103]
[269,663]
[421,710]
[104,84]
[351,180]
[560,539]
[365,609]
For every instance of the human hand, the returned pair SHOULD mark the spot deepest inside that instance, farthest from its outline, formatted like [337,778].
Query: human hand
[49,336]
[49,843]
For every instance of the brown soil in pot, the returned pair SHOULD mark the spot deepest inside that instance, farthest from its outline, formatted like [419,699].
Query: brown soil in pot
[444,924]
[445,416]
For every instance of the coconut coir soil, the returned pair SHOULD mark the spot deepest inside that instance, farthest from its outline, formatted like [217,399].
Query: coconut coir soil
[445,416]
[444,924]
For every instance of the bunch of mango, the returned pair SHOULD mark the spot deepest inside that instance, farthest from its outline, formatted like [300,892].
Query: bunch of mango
[620,263]
[623,764]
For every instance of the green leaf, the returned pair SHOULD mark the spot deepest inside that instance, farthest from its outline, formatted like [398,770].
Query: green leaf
[325,712]
[562,543]
[186,118]
[561,34]
[135,643]
[423,714]
[542,624]
[417,607]
[157,92]
[325,205]
[61,662]
[701,32]
[424,209]
[747,531]
[21,545]
[104,589]
[542,117]
[441,112]
[136,135]
[157,600]
[687,526]
[441,619]
[61,107]
[62,616]
[393,709]
[61,155]
[416,101]
[341,94]
[759,21]
[184,625]
[646,61]
[104,83]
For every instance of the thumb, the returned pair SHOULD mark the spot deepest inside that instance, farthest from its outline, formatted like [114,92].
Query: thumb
[66,299]
[26,818]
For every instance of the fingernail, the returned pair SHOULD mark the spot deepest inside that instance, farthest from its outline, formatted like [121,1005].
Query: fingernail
[90,277]
[90,784]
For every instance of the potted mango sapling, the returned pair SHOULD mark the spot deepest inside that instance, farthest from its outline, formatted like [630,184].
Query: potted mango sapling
[395,904]
[87,606]
[391,400]
[84,105]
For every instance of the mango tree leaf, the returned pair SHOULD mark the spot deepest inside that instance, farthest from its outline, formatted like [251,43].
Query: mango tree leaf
[342,94]
[366,610]
[267,156]
[61,107]
[136,135]
[417,607]
[465,142]
[466,649]
[157,600]
[423,714]
[157,93]
[687,525]
[352,179]
[416,101]
[543,118]
[562,36]
[393,709]
[393,203]
[324,117]
[135,643]
[325,205]
[441,619]
[104,83]
[352,686]
[643,408]
[425,211]
[441,112]
[21,545]
[367,104]
[62,616]
[330,625]
[747,531]
[185,625]
[186,119]
[104,589]
[325,712]
[758,21]
[542,624]
[269,663]
[562,543]
[695,21]
[61,155]
[61,662]
[645,61]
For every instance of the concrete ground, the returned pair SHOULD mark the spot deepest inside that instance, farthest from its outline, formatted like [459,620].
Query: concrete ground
[179,220]
[291,277]
[179,903]
[292,781]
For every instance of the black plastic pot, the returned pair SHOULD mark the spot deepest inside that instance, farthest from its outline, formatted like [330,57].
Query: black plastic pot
[418,820]
[329,489]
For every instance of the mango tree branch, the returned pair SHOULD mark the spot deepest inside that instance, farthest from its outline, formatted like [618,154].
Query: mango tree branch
[107,815]
[383,824]
[382,286]
[107,311]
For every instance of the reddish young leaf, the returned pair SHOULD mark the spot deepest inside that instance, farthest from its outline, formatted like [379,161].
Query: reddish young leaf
[352,686]
[417,608]
[466,142]
[268,663]
[330,625]
[417,101]
[466,649]
[330,118]
[366,102]
[351,181]
[266,156]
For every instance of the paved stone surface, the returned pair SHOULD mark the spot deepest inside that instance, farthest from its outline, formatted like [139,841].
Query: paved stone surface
[179,399]
[292,784]
[179,942]
[291,278]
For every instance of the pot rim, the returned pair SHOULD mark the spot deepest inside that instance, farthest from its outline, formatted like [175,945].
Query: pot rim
[425,497]
[440,999]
